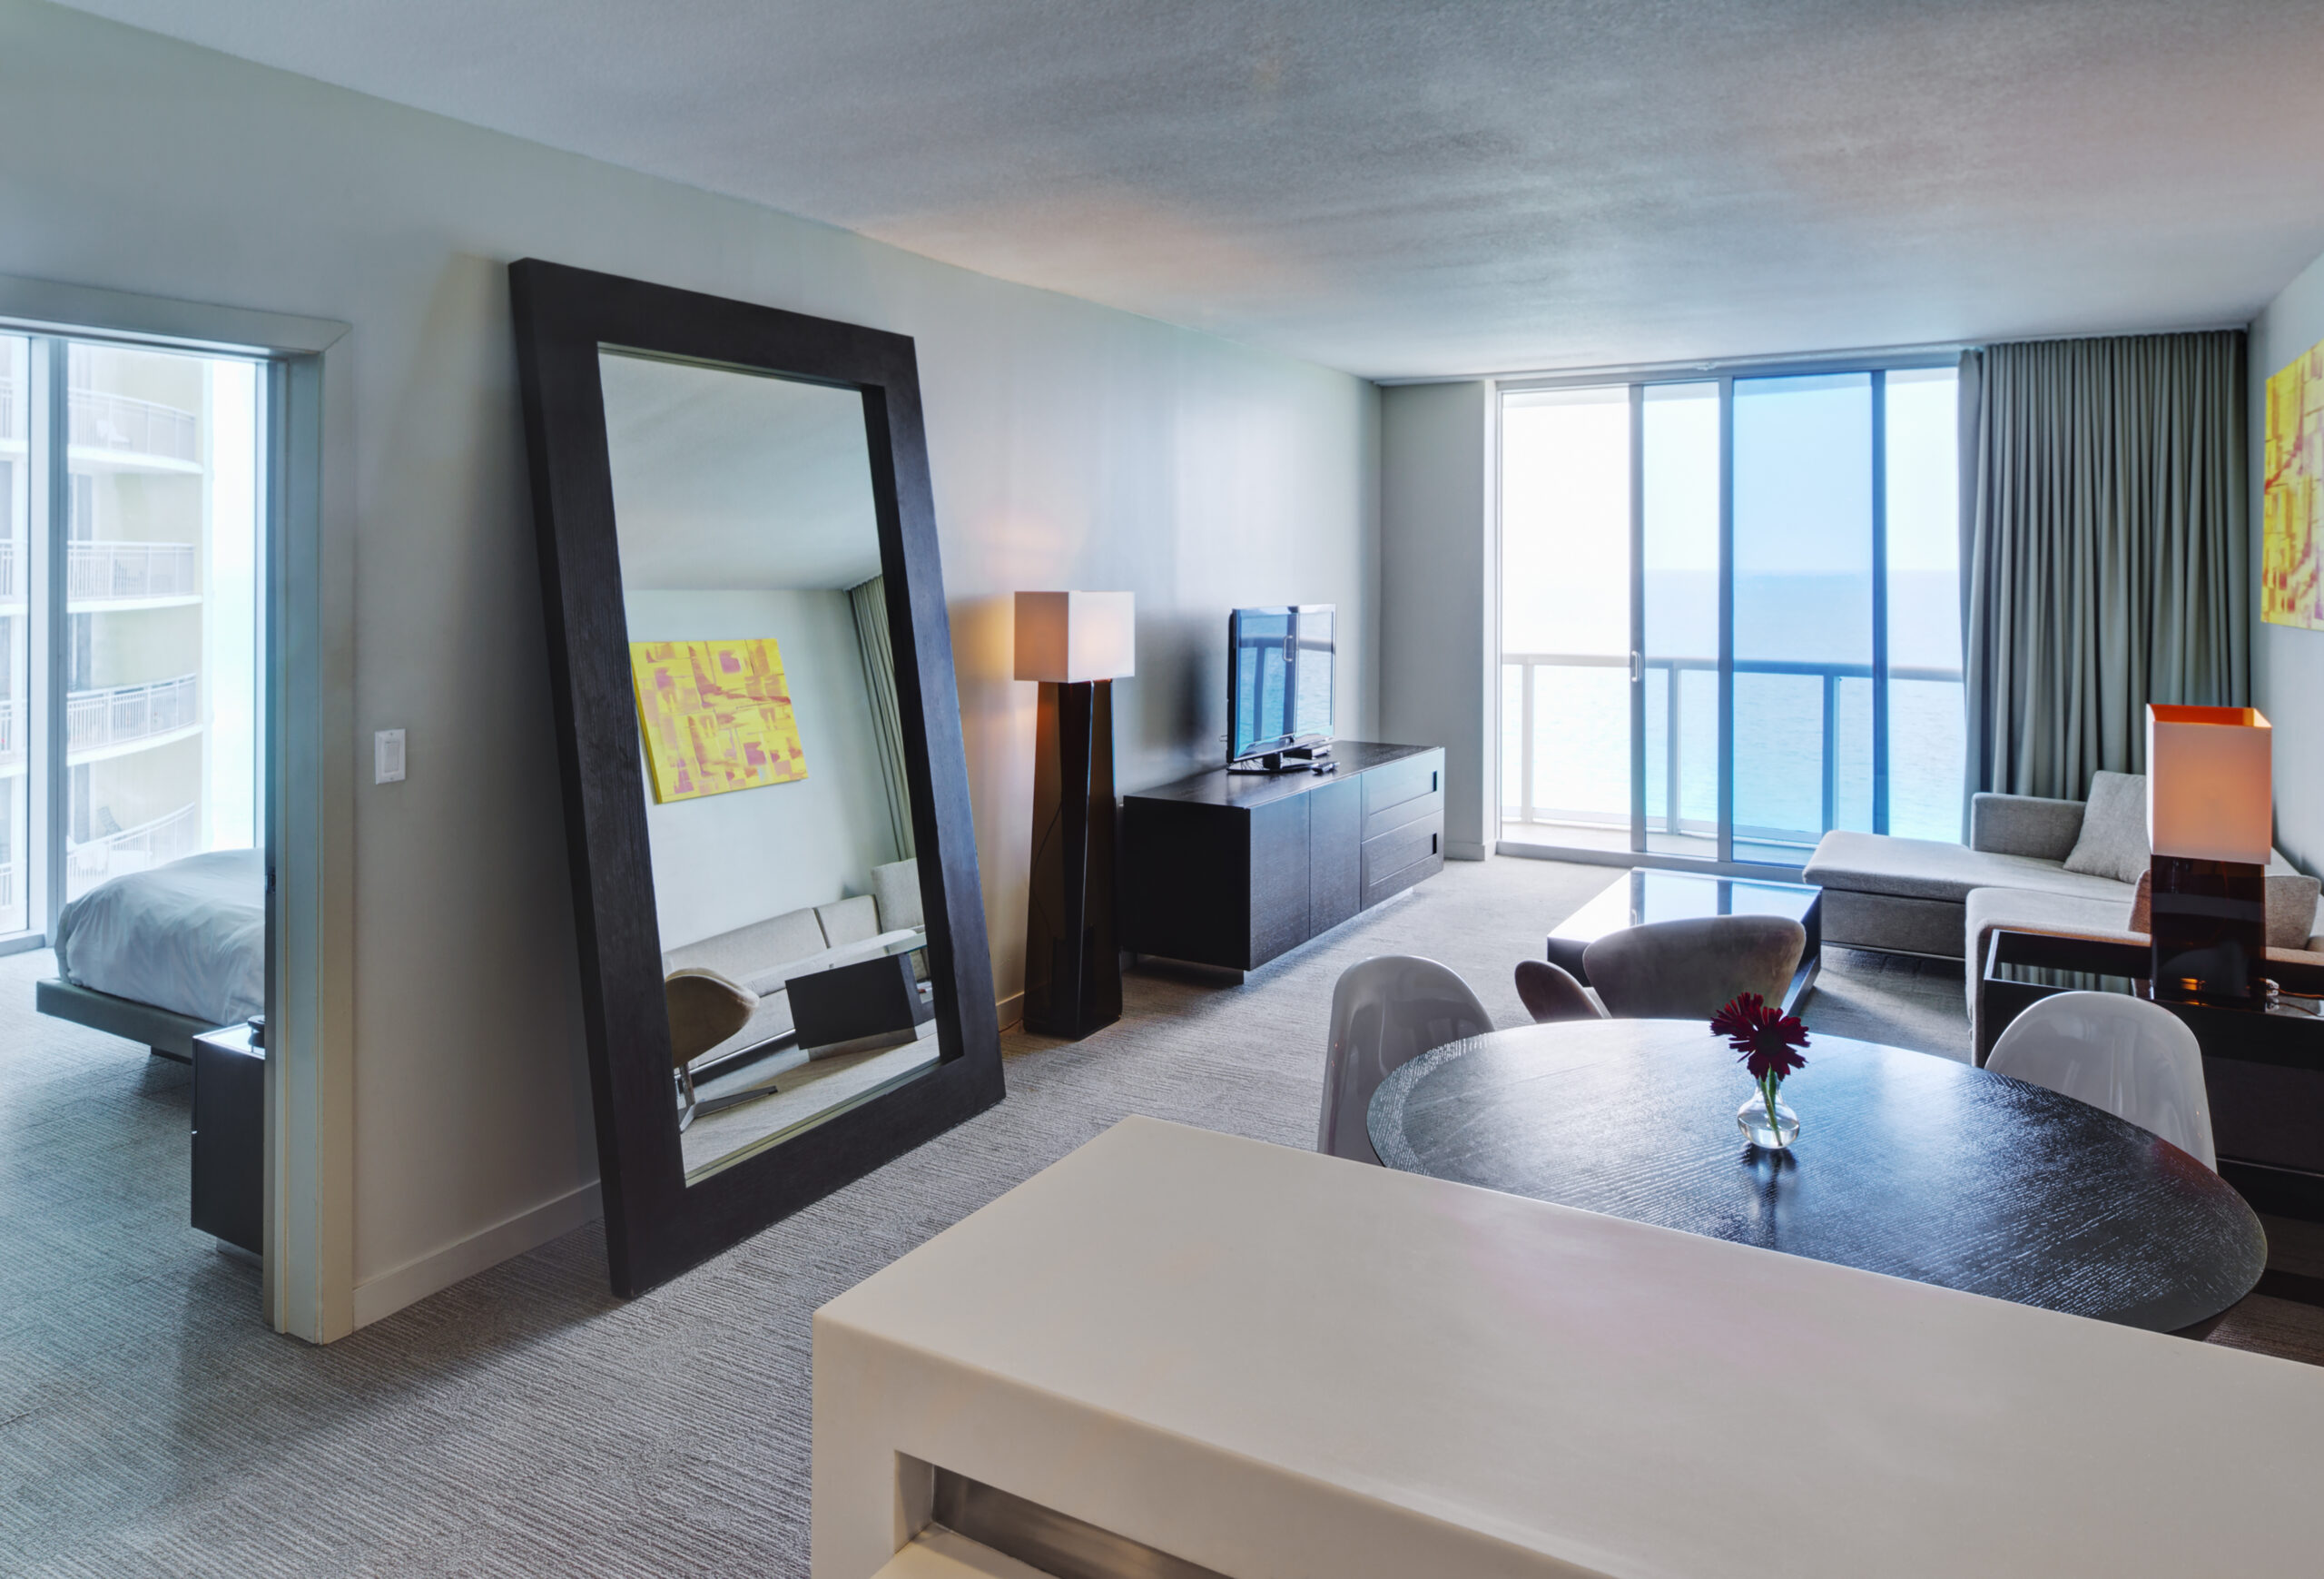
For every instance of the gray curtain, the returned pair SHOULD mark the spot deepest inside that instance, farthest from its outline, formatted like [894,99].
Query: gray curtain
[2104,525]
[870,601]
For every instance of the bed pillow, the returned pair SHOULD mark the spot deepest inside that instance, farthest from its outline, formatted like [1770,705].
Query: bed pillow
[2114,829]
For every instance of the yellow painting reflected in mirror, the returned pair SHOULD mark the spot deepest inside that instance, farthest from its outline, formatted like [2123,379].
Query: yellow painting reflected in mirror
[716,717]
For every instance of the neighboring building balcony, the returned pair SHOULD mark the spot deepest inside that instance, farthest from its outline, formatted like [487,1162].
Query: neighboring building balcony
[12,735]
[11,572]
[148,844]
[115,575]
[125,430]
[118,719]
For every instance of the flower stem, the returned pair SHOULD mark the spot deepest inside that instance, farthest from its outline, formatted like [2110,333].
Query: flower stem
[1768,1083]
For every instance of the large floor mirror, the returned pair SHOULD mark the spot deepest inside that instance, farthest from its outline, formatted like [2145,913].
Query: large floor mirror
[783,954]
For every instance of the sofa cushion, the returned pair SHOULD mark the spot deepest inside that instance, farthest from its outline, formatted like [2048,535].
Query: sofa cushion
[897,888]
[747,950]
[2114,829]
[2079,915]
[1928,869]
[849,920]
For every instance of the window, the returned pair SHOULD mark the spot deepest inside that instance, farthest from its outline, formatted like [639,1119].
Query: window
[153,568]
[1730,613]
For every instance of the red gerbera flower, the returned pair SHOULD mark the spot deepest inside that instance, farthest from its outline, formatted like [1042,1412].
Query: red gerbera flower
[1762,1035]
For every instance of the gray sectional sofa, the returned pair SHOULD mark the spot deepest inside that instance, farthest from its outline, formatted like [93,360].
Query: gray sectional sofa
[1920,896]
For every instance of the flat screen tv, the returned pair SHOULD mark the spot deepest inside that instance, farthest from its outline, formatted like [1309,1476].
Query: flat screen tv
[1279,678]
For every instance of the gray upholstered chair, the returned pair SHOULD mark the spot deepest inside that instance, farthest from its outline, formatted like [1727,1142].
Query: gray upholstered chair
[1688,970]
[1552,994]
[1385,1012]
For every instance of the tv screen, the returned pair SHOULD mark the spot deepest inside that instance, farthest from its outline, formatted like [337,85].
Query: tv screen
[1279,678]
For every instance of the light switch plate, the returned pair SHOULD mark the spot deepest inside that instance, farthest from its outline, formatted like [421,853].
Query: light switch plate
[387,757]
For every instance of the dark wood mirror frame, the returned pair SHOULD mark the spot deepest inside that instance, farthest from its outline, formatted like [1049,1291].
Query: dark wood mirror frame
[656,1225]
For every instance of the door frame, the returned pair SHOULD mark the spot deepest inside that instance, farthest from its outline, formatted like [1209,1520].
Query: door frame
[309,672]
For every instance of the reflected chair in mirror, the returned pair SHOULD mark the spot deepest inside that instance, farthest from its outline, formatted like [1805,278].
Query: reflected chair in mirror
[1690,970]
[1550,994]
[2133,1059]
[705,1008]
[1385,1012]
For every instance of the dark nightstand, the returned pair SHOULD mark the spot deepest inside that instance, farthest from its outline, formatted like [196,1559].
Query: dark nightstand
[229,1137]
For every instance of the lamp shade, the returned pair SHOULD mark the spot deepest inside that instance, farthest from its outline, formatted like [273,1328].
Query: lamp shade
[1072,636]
[2209,790]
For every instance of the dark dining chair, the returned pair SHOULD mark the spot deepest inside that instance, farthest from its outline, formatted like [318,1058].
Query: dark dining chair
[1690,970]
[1552,994]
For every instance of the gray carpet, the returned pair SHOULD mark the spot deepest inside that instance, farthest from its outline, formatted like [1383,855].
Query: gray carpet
[526,1423]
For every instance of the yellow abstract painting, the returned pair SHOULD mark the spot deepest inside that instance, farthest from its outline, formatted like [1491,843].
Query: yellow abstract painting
[2291,580]
[715,716]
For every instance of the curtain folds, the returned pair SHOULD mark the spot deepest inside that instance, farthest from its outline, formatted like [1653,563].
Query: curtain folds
[870,601]
[2104,531]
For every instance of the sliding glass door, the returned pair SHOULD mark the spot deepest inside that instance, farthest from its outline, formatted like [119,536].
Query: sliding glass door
[1729,613]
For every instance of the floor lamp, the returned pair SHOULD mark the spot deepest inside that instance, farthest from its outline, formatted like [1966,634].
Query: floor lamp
[1076,644]
[2211,824]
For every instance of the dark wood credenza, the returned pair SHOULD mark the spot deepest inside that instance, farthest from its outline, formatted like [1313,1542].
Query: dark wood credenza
[1233,870]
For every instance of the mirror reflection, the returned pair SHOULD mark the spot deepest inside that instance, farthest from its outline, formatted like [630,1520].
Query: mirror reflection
[770,752]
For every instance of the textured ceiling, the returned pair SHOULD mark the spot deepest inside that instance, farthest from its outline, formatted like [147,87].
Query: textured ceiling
[1406,188]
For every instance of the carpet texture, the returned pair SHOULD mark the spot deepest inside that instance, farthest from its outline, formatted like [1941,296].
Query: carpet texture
[526,1423]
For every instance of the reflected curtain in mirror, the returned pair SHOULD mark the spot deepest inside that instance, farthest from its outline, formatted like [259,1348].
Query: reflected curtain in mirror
[870,599]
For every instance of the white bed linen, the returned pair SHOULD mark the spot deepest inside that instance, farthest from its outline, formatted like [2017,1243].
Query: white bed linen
[188,936]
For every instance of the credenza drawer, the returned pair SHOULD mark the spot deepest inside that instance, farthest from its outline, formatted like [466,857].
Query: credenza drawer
[1387,819]
[1402,857]
[1398,783]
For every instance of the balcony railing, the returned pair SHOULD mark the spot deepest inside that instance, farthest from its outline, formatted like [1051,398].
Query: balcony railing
[12,735]
[11,411]
[165,838]
[10,580]
[1664,808]
[121,715]
[106,571]
[135,427]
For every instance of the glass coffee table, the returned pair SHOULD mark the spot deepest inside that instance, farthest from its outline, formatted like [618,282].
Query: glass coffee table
[1647,893]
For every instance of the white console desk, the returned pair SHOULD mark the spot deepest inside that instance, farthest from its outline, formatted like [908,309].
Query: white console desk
[1270,1362]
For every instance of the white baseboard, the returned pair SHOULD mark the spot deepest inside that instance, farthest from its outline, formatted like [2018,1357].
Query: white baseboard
[1464,850]
[390,1291]
[1012,1010]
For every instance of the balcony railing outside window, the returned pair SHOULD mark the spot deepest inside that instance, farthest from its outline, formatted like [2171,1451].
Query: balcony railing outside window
[1666,807]
[165,838]
[135,427]
[99,572]
[120,714]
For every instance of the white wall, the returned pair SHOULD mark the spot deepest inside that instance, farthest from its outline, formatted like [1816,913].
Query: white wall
[1436,577]
[724,860]
[1070,446]
[2288,663]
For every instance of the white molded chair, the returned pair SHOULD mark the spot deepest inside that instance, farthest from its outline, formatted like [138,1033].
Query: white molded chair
[2127,1056]
[1385,1012]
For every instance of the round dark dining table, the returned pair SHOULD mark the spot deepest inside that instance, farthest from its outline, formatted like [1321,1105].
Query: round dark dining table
[1908,1164]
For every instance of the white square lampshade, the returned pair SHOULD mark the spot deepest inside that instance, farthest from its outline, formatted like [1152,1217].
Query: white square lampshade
[2209,793]
[1072,636]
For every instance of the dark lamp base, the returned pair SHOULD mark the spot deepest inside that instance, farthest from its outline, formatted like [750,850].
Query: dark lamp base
[2209,923]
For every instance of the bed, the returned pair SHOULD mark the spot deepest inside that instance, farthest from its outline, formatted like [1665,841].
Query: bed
[162,955]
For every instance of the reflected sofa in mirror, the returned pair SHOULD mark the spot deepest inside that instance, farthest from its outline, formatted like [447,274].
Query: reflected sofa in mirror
[783,956]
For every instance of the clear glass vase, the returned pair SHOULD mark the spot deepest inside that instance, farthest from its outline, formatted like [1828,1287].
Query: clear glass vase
[1751,1118]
